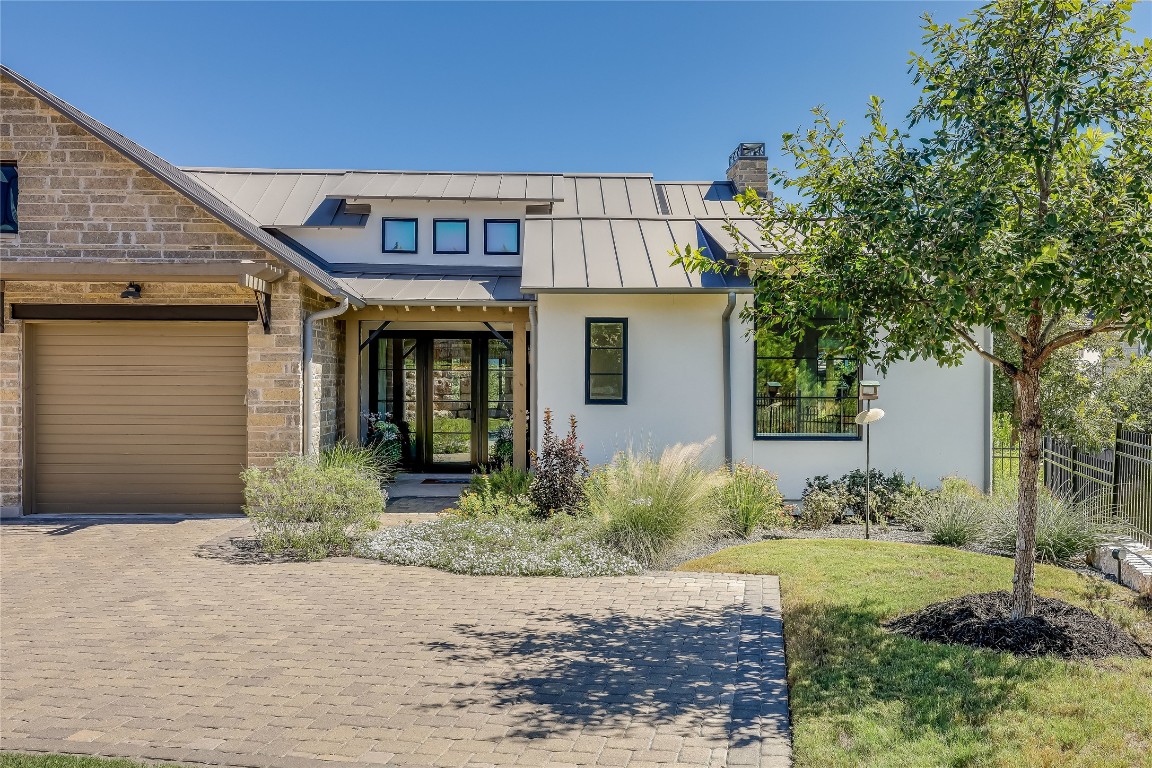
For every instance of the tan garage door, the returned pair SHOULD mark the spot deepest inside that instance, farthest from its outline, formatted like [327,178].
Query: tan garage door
[133,417]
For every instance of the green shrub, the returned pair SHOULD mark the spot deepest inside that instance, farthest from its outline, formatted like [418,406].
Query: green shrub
[311,508]
[749,498]
[561,471]
[822,507]
[886,492]
[649,506]
[506,481]
[483,503]
[375,460]
[1064,531]
[953,516]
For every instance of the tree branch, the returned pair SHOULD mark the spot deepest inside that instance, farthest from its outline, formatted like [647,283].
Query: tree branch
[1008,368]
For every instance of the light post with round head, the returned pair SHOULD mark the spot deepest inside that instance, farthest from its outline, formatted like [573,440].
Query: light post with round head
[869,391]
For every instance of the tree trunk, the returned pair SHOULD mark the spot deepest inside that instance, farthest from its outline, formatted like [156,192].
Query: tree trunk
[1027,383]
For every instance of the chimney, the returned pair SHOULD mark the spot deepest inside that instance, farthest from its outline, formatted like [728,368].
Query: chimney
[748,168]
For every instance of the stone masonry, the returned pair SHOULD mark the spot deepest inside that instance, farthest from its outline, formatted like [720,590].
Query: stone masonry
[81,201]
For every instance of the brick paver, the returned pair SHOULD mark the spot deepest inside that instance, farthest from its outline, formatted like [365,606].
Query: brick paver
[135,639]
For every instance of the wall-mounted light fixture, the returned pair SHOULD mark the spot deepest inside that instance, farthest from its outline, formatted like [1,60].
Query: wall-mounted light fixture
[773,388]
[132,292]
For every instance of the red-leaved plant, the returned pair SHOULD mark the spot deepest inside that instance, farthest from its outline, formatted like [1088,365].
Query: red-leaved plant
[560,471]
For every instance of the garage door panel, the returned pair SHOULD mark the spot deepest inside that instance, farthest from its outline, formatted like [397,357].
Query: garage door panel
[165,508]
[138,416]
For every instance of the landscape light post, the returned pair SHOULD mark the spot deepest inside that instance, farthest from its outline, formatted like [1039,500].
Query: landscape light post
[869,391]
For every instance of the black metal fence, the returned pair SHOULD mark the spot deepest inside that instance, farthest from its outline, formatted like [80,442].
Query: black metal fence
[807,416]
[1117,480]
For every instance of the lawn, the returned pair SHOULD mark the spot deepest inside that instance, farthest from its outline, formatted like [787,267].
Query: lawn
[863,697]
[16,760]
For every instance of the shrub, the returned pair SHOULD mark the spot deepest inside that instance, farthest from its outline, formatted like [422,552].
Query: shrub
[1064,530]
[561,471]
[951,517]
[484,503]
[309,508]
[647,506]
[886,490]
[821,507]
[748,498]
[375,460]
[507,481]
[501,546]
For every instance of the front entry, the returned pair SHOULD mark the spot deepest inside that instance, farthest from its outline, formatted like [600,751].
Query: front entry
[450,394]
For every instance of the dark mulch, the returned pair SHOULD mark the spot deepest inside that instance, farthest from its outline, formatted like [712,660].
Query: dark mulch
[983,620]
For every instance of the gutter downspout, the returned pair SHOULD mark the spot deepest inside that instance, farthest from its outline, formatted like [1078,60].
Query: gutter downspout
[307,448]
[988,383]
[533,389]
[727,325]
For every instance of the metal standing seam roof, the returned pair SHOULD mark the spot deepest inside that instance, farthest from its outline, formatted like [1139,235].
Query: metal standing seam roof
[698,198]
[615,254]
[203,196]
[412,185]
[281,198]
[435,288]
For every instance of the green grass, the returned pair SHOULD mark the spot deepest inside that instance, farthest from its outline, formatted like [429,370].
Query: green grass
[863,697]
[17,760]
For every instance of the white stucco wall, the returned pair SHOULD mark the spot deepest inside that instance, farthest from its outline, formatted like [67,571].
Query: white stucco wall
[935,423]
[364,244]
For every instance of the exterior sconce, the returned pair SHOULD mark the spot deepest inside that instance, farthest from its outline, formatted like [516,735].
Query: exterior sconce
[869,390]
[132,292]
[773,389]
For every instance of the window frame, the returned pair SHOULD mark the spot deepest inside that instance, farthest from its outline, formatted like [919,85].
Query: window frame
[415,234]
[588,399]
[13,184]
[467,237]
[840,437]
[519,237]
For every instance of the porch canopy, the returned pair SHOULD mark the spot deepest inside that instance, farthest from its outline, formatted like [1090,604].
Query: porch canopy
[433,289]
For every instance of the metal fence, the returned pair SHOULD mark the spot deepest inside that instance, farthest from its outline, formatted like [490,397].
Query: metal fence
[1117,480]
[806,416]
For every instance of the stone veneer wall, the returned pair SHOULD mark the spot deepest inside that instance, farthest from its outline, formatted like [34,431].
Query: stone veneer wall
[327,370]
[81,201]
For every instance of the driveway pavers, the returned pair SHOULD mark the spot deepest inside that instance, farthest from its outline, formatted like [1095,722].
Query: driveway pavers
[146,639]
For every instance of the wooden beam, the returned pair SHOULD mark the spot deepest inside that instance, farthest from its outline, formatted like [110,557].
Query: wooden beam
[352,381]
[520,392]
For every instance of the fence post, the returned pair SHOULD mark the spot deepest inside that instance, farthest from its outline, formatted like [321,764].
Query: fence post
[1116,471]
[1075,475]
[1044,458]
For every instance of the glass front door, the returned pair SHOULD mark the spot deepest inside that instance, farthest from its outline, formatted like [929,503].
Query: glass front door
[450,395]
[451,418]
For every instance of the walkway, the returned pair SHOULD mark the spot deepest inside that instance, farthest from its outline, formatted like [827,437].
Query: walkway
[135,638]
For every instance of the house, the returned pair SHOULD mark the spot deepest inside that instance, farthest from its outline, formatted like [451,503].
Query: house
[164,327]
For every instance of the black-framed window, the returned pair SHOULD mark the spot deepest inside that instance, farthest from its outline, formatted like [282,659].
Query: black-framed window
[606,361]
[501,236]
[450,236]
[400,236]
[9,195]
[803,390]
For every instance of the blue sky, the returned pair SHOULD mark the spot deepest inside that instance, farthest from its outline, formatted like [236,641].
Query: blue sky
[666,88]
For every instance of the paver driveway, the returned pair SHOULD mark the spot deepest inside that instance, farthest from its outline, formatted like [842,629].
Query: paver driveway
[134,639]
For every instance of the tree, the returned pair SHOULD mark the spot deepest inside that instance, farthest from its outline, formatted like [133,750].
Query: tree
[1085,389]
[1015,196]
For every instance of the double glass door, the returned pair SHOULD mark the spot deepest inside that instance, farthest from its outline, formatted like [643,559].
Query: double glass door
[450,395]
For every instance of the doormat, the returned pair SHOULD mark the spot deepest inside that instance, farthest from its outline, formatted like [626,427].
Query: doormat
[438,481]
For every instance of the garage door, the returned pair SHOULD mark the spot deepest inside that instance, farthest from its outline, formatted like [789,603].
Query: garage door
[130,417]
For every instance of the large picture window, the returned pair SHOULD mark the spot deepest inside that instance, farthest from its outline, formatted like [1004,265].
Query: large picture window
[606,361]
[802,389]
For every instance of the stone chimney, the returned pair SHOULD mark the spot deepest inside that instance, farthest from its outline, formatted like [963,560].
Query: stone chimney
[748,168]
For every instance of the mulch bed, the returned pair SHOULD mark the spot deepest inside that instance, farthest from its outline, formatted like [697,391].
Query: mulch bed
[983,620]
